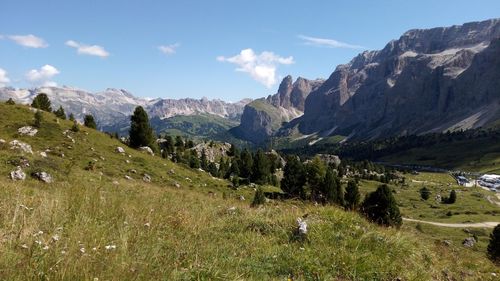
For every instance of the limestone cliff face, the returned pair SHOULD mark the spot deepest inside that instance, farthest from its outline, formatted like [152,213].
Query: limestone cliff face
[426,81]
[262,117]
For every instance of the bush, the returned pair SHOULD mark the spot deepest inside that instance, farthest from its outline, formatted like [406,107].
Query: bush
[259,198]
[75,128]
[425,193]
[380,207]
[451,199]
[494,245]
[10,102]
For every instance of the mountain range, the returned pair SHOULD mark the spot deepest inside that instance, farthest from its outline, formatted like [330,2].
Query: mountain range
[428,80]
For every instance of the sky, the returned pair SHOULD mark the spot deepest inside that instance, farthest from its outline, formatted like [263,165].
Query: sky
[227,49]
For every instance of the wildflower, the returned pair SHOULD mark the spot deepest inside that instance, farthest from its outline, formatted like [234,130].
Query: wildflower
[38,242]
[110,247]
[24,246]
[63,252]
[46,247]
[55,238]
[147,224]
[38,233]
[94,249]
[82,250]
[302,226]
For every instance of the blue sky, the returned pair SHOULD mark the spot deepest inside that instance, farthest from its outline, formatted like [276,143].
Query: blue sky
[219,49]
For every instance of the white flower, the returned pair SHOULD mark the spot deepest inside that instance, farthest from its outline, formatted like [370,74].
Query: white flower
[63,252]
[110,247]
[147,224]
[24,246]
[38,233]
[55,238]
[302,226]
[94,249]
[38,242]
[82,250]
[46,247]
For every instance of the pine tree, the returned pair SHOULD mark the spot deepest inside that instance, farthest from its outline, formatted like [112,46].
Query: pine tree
[141,133]
[261,168]
[71,117]
[212,169]
[233,151]
[41,101]
[316,171]
[234,169]
[204,160]
[38,119]
[89,121]
[60,113]
[223,168]
[294,177]
[179,143]
[380,207]
[352,196]
[10,102]
[246,164]
[194,162]
[259,198]
[494,245]
[332,189]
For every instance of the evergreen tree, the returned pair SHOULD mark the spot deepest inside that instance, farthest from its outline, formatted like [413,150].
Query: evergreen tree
[179,143]
[212,169]
[246,164]
[380,207]
[294,177]
[71,117]
[425,193]
[453,197]
[10,102]
[233,151]
[223,168]
[494,245]
[38,119]
[316,171]
[259,198]
[194,162]
[141,133]
[352,196]
[60,113]
[89,121]
[41,101]
[234,169]
[261,168]
[204,160]
[332,189]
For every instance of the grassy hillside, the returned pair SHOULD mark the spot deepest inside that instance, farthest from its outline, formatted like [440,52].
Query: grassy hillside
[97,225]
[193,126]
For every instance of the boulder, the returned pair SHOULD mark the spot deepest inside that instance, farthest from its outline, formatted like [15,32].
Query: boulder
[146,178]
[120,149]
[27,131]
[469,242]
[43,176]
[128,177]
[17,174]
[21,146]
[146,149]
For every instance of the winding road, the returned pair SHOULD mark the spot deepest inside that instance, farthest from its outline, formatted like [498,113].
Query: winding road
[488,224]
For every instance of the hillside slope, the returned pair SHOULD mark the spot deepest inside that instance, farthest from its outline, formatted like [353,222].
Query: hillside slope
[183,225]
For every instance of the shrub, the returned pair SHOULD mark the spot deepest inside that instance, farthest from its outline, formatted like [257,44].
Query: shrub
[10,102]
[494,245]
[89,121]
[75,128]
[425,193]
[380,207]
[352,196]
[451,199]
[259,198]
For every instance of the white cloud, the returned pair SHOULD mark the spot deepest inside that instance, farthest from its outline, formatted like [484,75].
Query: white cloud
[261,67]
[169,49]
[3,78]
[30,41]
[330,43]
[42,76]
[91,50]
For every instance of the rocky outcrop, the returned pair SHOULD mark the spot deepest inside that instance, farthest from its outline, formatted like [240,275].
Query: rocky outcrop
[17,174]
[426,81]
[262,117]
[27,131]
[21,146]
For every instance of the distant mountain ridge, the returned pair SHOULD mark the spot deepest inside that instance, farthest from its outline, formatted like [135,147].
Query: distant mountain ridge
[112,107]
[429,80]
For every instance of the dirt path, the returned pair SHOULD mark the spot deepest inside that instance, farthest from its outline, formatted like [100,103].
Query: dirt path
[488,224]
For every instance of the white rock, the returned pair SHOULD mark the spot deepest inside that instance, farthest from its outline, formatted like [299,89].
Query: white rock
[128,177]
[27,131]
[17,174]
[120,149]
[302,226]
[43,176]
[146,178]
[20,146]
[146,149]
[43,154]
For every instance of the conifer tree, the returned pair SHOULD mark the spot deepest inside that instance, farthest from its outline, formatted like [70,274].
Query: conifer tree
[71,117]
[10,101]
[41,101]
[352,196]
[38,119]
[204,160]
[75,128]
[294,177]
[380,207]
[259,198]
[89,121]
[246,164]
[60,113]
[261,168]
[141,133]
[316,171]
[332,189]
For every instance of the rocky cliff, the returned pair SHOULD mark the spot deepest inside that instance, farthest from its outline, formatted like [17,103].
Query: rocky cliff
[426,81]
[262,117]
